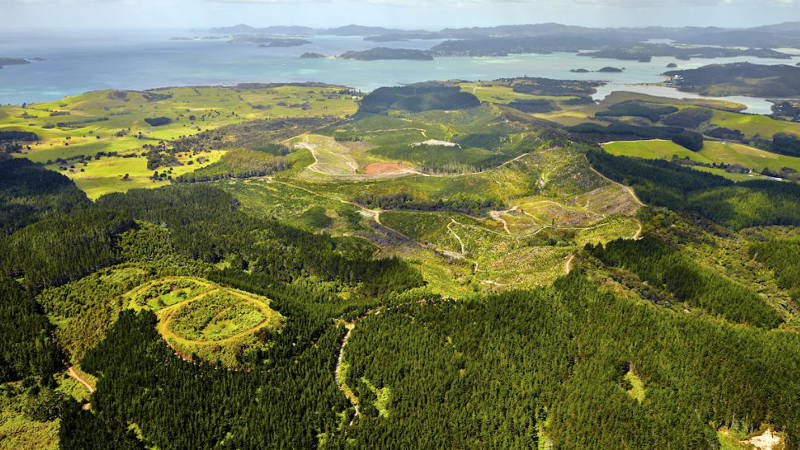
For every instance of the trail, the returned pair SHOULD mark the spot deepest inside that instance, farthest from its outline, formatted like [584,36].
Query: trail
[568,265]
[630,190]
[638,234]
[627,188]
[375,214]
[72,373]
[497,216]
[315,167]
[463,250]
[338,372]
[517,159]
[421,130]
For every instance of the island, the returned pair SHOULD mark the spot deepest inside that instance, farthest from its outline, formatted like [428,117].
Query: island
[312,55]
[611,70]
[774,81]
[12,62]
[580,71]
[379,53]
[646,52]
[270,41]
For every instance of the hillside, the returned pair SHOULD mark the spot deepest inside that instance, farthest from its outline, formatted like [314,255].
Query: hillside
[739,79]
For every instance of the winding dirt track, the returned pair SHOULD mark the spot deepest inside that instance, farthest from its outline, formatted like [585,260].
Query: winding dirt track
[568,265]
[338,373]
[460,242]
[72,373]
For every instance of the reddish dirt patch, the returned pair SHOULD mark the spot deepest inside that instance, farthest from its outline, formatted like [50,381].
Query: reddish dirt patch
[386,168]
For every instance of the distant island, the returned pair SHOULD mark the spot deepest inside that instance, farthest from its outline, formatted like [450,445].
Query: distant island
[285,43]
[270,41]
[603,70]
[645,53]
[379,53]
[195,38]
[12,62]
[624,44]
[779,81]
[312,55]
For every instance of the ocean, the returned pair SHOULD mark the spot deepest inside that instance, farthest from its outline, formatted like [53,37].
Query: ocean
[75,62]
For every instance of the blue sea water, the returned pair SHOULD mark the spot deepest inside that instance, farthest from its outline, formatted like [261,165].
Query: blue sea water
[76,62]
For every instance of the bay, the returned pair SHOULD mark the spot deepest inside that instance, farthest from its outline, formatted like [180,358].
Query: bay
[75,62]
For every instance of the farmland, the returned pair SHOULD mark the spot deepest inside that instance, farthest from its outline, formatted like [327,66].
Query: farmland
[97,138]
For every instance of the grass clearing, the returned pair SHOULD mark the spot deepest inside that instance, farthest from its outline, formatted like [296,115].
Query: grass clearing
[637,390]
[384,397]
[754,125]
[713,152]
[494,93]
[200,319]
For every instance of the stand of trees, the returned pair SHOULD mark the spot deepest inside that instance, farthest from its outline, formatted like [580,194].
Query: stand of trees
[736,205]
[30,192]
[783,257]
[661,265]
[26,344]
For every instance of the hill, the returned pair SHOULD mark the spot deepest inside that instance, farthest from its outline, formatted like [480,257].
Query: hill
[739,79]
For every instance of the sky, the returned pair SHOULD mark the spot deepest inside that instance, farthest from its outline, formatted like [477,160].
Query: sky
[411,14]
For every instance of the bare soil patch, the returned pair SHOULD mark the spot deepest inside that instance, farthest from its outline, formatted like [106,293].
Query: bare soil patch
[387,168]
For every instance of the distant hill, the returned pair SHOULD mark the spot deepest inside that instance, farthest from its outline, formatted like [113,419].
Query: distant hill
[739,79]
[388,53]
[552,37]
[12,61]
[416,98]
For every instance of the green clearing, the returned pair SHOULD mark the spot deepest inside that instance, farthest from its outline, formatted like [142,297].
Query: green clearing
[754,125]
[99,177]
[330,157]
[215,317]
[201,319]
[636,390]
[383,396]
[496,93]
[712,153]
[166,292]
[654,149]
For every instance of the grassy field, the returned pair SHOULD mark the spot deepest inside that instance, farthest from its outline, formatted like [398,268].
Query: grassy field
[754,125]
[114,121]
[621,96]
[498,93]
[712,152]
[198,317]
